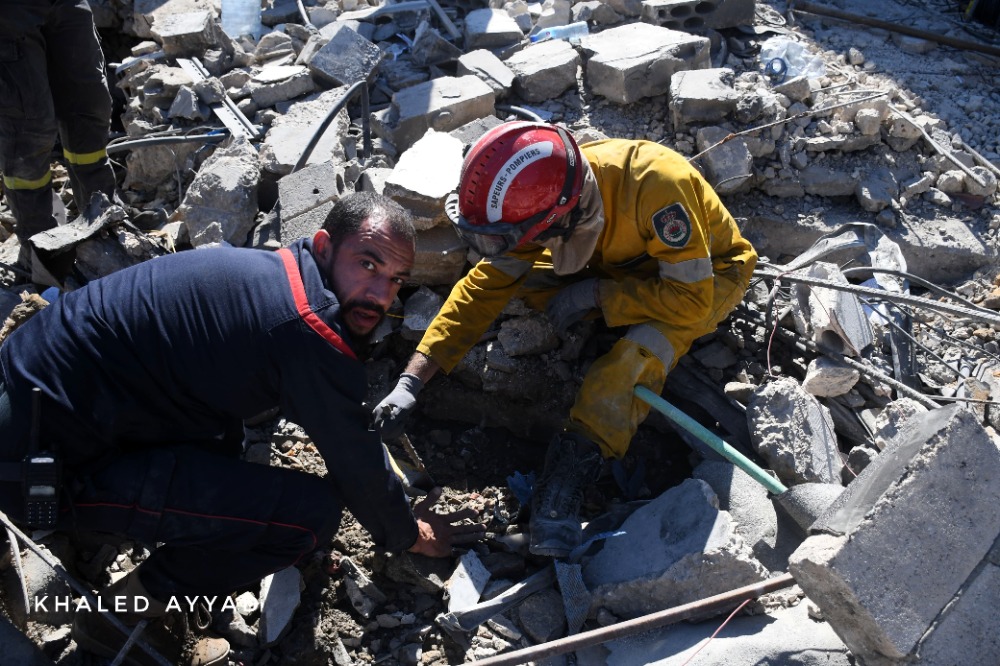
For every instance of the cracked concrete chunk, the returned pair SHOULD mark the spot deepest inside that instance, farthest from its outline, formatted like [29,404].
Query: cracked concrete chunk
[877,191]
[221,202]
[346,59]
[894,420]
[629,62]
[490,28]
[440,257]
[442,104]
[701,95]
[290,133]
[280,83]
[489,68]
[310,187]
[422,190]
[826,377]
[670,556]
[544,70]
[279,597]
[924,512]
[542,617]
[186,34]
[794,433]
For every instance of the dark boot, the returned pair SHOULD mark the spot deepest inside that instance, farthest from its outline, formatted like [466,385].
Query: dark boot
[572,462]
[165,632]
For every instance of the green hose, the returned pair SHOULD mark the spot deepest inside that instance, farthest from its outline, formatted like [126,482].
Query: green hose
[711,439]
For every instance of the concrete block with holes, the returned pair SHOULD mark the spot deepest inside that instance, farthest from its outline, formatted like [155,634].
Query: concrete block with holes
[904,565]
[690,15]
[310,187]
[629,62]
[421,190]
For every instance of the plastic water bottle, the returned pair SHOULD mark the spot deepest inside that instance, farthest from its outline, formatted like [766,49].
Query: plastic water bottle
[241,17]
[572,32]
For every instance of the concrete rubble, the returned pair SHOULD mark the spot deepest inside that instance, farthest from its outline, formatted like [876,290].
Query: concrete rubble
[897,140]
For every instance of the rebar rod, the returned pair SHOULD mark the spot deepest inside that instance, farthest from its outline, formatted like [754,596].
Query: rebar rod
[60,571]
[637,625]
[979,314]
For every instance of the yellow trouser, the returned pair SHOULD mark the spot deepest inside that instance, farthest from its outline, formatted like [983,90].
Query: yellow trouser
[606,409]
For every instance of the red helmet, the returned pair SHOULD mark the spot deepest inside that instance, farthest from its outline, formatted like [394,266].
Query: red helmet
[516,181]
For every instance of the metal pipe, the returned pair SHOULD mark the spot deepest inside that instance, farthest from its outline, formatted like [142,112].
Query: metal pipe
[637,625]
[715,442]
[160,140]
[361,85]
[811,8]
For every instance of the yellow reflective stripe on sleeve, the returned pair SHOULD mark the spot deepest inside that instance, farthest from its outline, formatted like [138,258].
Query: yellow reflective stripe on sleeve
[12,183]
[650,338]
[509,265]
[688,272]
[85,158]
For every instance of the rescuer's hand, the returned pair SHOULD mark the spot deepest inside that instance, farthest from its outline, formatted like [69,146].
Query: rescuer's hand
[440,533]
[572,303]
[391,414]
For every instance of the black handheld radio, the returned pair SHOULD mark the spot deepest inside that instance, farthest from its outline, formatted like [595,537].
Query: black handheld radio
[41,475]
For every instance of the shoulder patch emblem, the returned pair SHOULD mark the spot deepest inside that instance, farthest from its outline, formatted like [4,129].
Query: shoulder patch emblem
[673,225]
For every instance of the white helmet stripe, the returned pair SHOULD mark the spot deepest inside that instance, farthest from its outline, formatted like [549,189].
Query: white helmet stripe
[506,176]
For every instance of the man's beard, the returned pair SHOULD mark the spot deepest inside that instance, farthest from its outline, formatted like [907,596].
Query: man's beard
[357,304]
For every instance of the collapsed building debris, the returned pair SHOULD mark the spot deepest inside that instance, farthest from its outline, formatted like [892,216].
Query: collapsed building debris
[249,140]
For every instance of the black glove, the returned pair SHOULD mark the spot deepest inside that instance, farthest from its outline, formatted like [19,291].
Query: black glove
[572,303]
[391,414]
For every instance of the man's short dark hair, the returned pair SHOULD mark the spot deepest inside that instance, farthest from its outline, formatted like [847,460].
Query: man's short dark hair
[351,210]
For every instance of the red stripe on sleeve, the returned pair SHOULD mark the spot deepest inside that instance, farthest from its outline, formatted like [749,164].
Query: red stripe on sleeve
[302,305]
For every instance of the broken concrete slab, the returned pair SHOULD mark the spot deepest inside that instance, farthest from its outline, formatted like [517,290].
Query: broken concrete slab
[794,433]
[346,58]
[943,251]
[701,95]
[442,104]
[440,257]
[541,616]
[827,182]
[221,203]
[290,133]
[747,502]
[696,15]
[431,48]
[826,377]
[490,29]
[544,70]
[280,83]
[668,557]
[186,34]
[289,230]
[279,597]
[422,190]
[924,510]
[629,62]
[489,68]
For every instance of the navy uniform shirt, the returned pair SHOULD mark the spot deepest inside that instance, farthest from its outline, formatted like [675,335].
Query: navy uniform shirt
[183,348]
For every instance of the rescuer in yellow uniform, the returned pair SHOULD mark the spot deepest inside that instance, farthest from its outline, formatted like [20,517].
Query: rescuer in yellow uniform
[625,229]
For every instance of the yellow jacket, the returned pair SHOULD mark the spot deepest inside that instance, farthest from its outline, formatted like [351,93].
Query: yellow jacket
[666,235]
